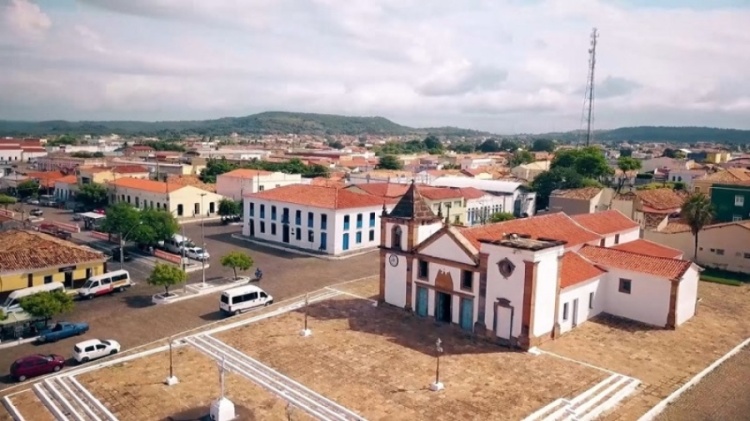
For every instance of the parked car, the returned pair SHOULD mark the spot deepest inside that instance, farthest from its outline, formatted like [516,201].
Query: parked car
[76,216]
[36,365]
[36,212]
[197,253]
[115,253]
[33,202]
[63,330]
[92,349]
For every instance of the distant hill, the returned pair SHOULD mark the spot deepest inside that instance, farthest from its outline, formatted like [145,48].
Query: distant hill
[277,122]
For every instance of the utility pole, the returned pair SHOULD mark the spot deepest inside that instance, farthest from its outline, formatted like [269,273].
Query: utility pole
[203,242]
[589,99]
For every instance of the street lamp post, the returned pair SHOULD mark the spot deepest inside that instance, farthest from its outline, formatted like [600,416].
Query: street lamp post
[171,380]
[306,332]
[203,242]
[437,386]
[122,243]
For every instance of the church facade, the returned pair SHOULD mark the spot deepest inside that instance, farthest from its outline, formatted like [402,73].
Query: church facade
[524,281]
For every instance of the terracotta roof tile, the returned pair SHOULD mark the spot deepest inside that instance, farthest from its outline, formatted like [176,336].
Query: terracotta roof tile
[653,220]
[146,185]
[606,222]
[25,250]
[731,175]
[650,248]
[658,266]
[576,269]
[68,179]
[328,182]
[556,226]
[191,180]
[661,199]
[676,226]
[412,206]
[129,169]
[585,193]
[471,193]
[391,190]
[320,197]
[245,173]
[440,193]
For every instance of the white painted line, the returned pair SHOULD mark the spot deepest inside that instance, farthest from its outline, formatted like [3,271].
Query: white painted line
[353,280]
[12,410]
[659,408]
[351,295]
[612,401]
[87,409]
[579,362]
[90,397]
[60,398]
[48,403]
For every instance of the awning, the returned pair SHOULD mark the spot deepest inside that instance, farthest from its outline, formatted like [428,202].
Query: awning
[92,215]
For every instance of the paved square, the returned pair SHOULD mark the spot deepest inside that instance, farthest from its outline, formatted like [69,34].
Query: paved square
[28,404]
[134,390]
[379,362]
[662,359]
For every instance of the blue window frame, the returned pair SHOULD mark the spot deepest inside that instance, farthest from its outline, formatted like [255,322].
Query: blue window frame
[346,222]
[273,213]
[285,216]
[359,220]
[310,219]
[298,217]
[323,221]
[252,209]
[372,219]
[262,211]
[359,237]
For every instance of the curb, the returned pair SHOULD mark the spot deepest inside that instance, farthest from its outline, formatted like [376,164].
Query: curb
[301,252]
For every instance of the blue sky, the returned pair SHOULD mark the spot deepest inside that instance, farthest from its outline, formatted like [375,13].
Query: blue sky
[507,66]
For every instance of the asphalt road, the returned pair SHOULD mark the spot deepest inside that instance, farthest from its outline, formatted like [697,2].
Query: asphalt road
[130,318]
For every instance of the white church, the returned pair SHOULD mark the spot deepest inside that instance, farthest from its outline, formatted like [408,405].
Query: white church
[525,281]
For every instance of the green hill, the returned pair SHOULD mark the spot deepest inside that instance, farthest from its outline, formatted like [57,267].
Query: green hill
[642,134]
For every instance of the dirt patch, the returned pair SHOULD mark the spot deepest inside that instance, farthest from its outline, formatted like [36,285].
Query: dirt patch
[135,391]
[367,288]
[380,361]
[662,359]
[29,405]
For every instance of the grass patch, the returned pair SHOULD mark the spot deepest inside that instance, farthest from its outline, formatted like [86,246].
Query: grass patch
[723,281]
[714,275]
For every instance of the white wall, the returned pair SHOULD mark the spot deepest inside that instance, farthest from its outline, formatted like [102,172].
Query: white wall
[235,187]
[395,282]
[510,289]
[11,155]
[687,296]
[624,237]
[446,248]
[648,301]
[546,290]
[433,269]
[582,292]
[365,243]
[488,203]
[425,231]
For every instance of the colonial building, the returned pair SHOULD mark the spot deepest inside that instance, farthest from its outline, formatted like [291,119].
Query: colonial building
[320,219]
[237,183]
[524,281]
[182,201]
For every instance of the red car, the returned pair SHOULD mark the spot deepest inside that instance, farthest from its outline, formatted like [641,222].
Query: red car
[36,365]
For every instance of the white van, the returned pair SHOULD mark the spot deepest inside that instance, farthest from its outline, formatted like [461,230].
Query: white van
[109,282]
[177,243]
[12,304]
[237,300]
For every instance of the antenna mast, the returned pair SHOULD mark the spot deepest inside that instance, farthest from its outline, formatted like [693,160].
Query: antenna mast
[588,101]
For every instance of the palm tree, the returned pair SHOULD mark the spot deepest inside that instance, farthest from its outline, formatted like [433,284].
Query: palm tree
[697,213]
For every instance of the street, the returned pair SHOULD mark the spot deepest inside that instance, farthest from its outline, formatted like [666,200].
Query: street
[130,318]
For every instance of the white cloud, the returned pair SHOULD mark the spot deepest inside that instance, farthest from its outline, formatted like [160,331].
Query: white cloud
[502,65]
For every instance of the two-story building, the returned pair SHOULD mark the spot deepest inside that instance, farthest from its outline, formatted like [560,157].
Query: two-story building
[731,202]
[581,201]
[729,176]
[650,208]
[525,281]
[319,219]
[182,201]
[516,199]
[235,184]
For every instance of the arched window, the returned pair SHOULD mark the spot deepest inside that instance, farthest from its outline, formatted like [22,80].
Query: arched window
[396,238]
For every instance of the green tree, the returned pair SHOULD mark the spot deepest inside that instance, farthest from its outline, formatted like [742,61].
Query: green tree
[27,188]
[47,304]
[520,157]
[557,178]
[463,147]
[509,145]
[229,207]
[697,213]
[93,195]
[155,225]
[166,275]
[627,165]
[433,145]
[237,260]
[389,162]
[489,145]
[501,216]
[627,152]
[543,145]
[336,144]
[589,162]
[120,218]
[6,200]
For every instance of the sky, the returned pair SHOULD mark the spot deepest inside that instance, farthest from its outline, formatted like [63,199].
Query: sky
[505,66]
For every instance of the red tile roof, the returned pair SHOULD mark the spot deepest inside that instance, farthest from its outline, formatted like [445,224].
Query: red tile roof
[28,250]
[320,197]
[606,222]
[390,190]
[146,185]
[557,226]
[661,200]
[471,193]
[584,193]
[129,169]
[245,173]
[649,247]
[576,269]
[68,179]
[440,193]
[658,266]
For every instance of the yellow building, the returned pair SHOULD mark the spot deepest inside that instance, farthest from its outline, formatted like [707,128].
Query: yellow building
[718,157]
[30,258]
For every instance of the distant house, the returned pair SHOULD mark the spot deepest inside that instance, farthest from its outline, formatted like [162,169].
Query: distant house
[650,208]
[531,170]
[235,184]
[182,201]
[581,201]
[731,202]
[515,197]
[730,176]
[138,150]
